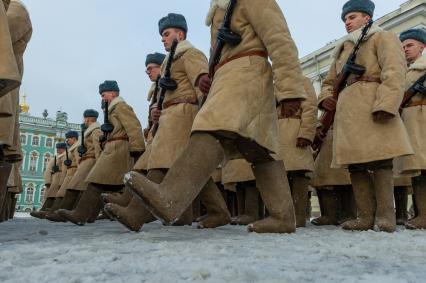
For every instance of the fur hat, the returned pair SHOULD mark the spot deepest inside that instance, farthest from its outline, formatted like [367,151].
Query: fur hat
[172,21]
[416,34]
[71,134]
[108,86]
[61,145]
[155,58]
[364,6]
[91,113]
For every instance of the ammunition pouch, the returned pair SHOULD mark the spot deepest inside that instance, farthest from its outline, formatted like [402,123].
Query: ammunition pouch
[107,128]
[168,84]
[355,69]
[227,36]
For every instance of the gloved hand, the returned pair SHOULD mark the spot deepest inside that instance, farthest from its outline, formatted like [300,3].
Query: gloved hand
[382,116]
[204,83]
[290,107]
[329,104]
[303,143]
[155,114]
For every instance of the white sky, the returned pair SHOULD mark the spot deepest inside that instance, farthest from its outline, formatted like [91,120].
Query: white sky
[77,44]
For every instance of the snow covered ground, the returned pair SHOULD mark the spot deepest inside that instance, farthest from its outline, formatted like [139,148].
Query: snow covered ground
[38,251]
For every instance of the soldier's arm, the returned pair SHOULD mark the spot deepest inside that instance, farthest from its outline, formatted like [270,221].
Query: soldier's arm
[309,113]
[96,134]
[196,64]
[132,126]
[391,59]
[270,25]
[327,85]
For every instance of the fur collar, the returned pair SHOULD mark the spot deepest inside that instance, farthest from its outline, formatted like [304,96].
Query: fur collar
[114,103]
[353,37]
[151,92]
[60,156]
[419,64]
[74,146]
[182,47]
[214,4]
[91,128]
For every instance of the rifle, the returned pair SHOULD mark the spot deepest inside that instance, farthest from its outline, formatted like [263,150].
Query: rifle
[106,127]
[416,88]
[350,67]
[166,82]
[55,168]
[224,36]
[67,161]
[82,149]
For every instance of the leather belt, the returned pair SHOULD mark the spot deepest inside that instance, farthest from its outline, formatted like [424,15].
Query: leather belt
[86,157]
[363,79]
[416,103]
[118,139]
[241,55]
[297,116]
[180,100]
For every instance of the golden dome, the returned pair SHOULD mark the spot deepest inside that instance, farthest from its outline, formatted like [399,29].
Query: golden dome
[24,105]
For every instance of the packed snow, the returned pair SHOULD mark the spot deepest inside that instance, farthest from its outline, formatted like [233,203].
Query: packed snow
[34,250]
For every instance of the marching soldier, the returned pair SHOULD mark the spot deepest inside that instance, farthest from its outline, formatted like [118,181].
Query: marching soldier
[85,154]
[11,70]
[174,128]
[9,73]
[58,174]
[414,117]
[153,64]
[238,116]
[297,132]
[369,104]
[124,144]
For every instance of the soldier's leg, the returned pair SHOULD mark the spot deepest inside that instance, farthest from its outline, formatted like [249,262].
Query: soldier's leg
[41,214]
[134,215]
[272,183]
[383,184]
[329,206]
[88,205]
[251,204]
[67,202]
[183,182]
[363,187]
[299,190]
[12,207]
[419,187]
[401,205]
[347,205]
[122,199]
[5,170]
[240,203]
[217,211]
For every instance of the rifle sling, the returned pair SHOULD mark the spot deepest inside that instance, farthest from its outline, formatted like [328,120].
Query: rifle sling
[241,55]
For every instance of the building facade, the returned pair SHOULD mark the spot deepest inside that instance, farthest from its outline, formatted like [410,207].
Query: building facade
[411,14]
[38,136]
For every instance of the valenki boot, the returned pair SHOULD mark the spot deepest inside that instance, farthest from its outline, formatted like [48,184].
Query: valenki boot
[88,206]
[330,207]
[251,205]
[363,187]
[122,199]
[401,205]
[300,198]
[347,204]
[68,202]
[169,200]
[217,211]
[240,203]
[51,215]
[419,187]
[274,189]
[12,206]
[41,214]
[385,211]
[5,170]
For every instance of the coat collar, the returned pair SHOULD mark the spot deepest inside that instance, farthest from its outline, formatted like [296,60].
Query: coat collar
[182,47]
[91,128]
[114,103]
[151,92]
[214,4]
[353,37]
[74,146]
[60,156]
[419,64]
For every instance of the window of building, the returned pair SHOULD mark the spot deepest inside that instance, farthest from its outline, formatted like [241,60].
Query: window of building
[29,193]
[24,155]
[23,139]
[33,161]
[18,198]
[46,161]
[41,195]
[36,141]
[49,142]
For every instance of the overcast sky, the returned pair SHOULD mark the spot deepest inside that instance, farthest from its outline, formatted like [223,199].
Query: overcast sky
[77,44]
